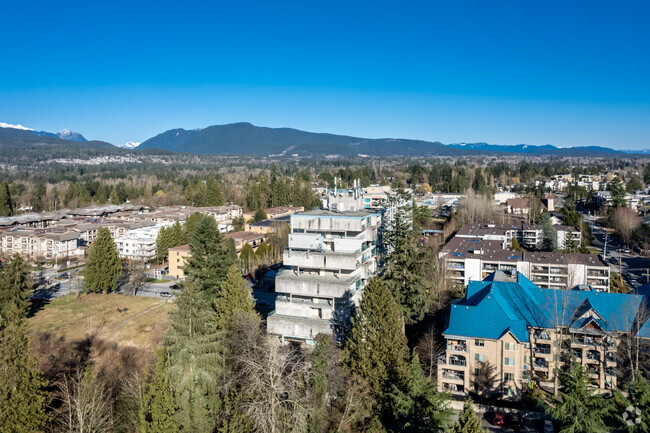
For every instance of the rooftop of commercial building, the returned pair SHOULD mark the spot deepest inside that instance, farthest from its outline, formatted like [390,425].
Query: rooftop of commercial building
[362,213]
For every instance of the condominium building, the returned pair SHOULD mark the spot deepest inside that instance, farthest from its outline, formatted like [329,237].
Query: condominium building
[528,333]
[176,259]
[40,244]
[468,259]
[330,257]
[527,235]
[140,244]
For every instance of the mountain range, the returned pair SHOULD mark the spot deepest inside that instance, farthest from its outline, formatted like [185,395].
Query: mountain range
[247,139]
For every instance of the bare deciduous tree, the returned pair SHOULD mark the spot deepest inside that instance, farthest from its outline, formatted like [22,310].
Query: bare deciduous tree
[86,406]
[477,208]
[625,222]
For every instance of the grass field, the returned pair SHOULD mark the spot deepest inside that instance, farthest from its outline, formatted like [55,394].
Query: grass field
[129,320]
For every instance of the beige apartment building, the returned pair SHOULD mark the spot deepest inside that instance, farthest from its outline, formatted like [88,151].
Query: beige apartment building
[527,333]
[176,257]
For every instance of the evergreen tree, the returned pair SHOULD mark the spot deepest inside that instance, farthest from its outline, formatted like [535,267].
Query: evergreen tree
[468,422]
[192,345]
[376,347]
[549,234]
[318,382]
[191,223]
[578,408]
[6,205]
[214,194]
[514,244]
[406,273]
[210,257]
[162,244]
[238,224]
[104,266]
[114,197]
[617,193]
[233,296]
[420,407]
[14,288]
[23,398]
[260,215]
[247,258]
[638,398]
[157,406]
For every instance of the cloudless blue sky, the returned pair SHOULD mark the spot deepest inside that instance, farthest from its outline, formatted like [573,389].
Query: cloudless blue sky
[568,73]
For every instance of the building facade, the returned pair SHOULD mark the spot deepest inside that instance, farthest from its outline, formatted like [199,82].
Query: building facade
[469,259]
[526,333]
[330,257]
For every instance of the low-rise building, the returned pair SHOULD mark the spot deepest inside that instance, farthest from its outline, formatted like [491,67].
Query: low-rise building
[527,235]
[528,333]
[254,239]
[140,243]
[176,258]
[468,259]
[41,244]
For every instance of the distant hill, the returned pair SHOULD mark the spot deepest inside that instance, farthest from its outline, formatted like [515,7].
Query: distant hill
[64,134]
[247,139]
[546,149]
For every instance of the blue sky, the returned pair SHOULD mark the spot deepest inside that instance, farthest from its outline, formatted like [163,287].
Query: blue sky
[566,73]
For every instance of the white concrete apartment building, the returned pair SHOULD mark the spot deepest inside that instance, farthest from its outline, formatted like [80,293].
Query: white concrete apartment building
[140,243]
[330,257]
[469,259]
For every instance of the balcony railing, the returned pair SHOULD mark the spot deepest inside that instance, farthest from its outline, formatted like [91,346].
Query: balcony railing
[542,336]
[541,363]
[454,375]
[442,359]
[459,362]
[455,347]
[545,350]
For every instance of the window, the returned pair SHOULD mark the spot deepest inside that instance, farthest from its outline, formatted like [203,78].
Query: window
[479,357]
[509,361]
[477,371]
[509,377]
[479,343]
[507,392]
[526,359]
[509,346]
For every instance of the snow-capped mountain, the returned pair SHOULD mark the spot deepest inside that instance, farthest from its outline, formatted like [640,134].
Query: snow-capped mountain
[8,125]
[129,145]
[64,134]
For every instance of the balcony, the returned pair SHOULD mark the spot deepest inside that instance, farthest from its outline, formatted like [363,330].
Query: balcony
[543,349]
[595,273]
[586,341]
[455,265]
[457,346]
[542,335]
[453,388]
[457,360]
[577,353]
[593,355]
[541,363]
[611,372]
[442,359]
[610,358]
[453,375]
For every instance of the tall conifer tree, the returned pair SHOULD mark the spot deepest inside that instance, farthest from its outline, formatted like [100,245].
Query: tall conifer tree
[104,266]
[194,360]
[376,347]
[6,205]
[157,406]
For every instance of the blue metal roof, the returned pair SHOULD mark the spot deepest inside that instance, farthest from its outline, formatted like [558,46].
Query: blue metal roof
[493,308]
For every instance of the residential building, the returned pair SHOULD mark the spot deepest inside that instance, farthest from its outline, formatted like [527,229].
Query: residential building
[254,239]
[468,259]
[330,257]
[275,212]
[527,235]
[527,333]
[176,258]
[41,244]
[517,206]
[140,243]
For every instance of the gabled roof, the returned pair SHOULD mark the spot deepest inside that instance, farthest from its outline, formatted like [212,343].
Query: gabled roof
[501,304]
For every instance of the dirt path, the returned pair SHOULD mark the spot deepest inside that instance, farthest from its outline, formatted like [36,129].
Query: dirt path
[127,321]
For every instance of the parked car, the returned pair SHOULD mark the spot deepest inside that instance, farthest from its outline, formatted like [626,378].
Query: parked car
[548,427]
[174,287]
[499,419]
[262,304]
[516,422]
[165,295]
